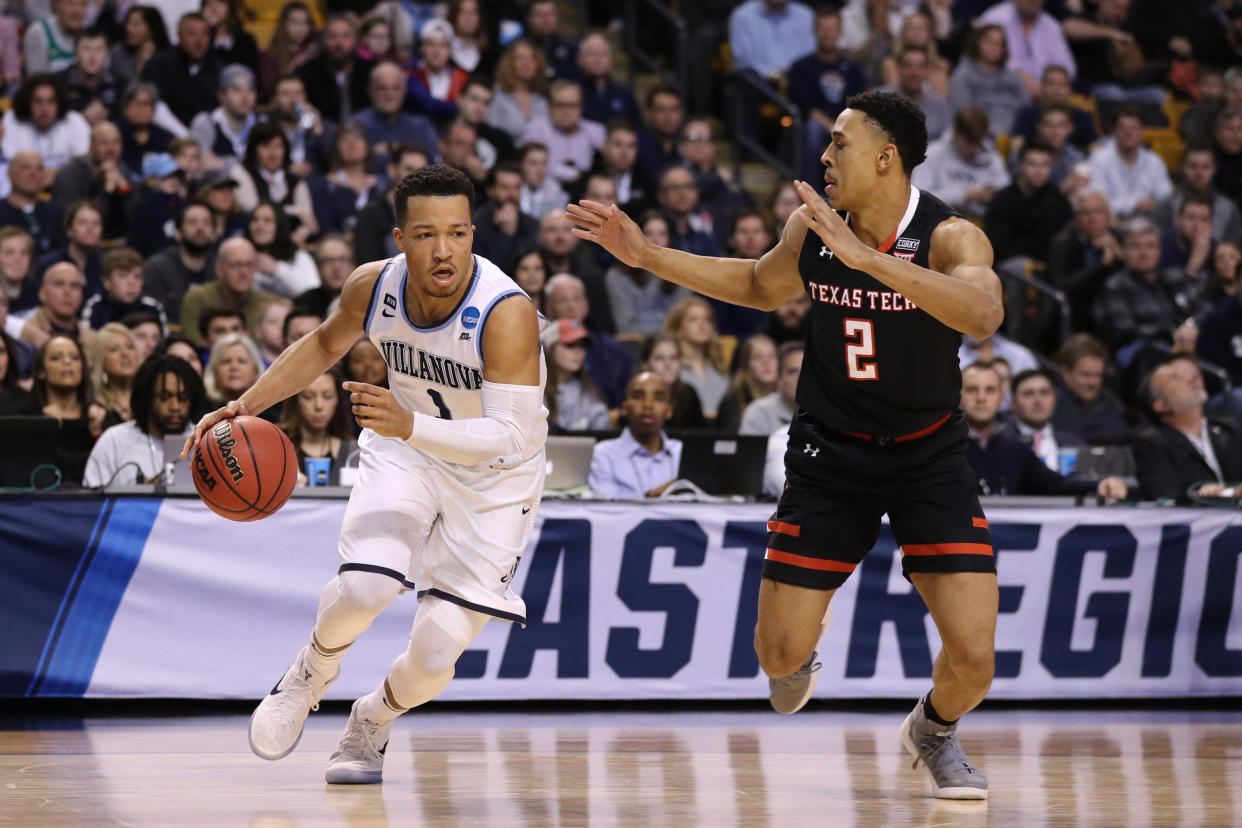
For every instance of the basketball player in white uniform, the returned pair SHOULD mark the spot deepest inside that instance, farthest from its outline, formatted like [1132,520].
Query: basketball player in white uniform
[451,470]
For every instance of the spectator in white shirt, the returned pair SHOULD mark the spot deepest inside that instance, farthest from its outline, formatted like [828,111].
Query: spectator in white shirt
[541,193]
[41,121]
[963,168]
[766,414]
[1034,37]
[1131,177]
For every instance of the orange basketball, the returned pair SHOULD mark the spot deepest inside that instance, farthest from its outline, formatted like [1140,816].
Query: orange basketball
[244,468]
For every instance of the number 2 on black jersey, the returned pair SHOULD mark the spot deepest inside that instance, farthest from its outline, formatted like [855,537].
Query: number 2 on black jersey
[857,364]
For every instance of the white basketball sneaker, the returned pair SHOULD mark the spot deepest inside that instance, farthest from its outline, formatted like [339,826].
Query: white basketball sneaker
[276,726]
[359,758]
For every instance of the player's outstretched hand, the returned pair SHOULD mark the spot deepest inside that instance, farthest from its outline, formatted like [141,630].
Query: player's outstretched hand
[233,409]
[826,223]
[377,409]
[608,226]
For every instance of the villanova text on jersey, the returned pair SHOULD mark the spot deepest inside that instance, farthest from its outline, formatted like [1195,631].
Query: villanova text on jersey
[412,361]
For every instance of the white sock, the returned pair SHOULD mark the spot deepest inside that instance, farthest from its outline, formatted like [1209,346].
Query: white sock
[375,706]
[321,663]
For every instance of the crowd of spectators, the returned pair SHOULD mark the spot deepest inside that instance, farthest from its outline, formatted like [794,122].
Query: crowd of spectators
[173,192]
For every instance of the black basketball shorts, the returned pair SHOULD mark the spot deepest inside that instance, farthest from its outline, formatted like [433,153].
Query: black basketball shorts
[838,487]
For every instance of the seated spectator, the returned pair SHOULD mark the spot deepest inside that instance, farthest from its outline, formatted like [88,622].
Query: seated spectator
[222,133]
[269,333]
[607,360]
[1198,172]
[140,134]
[1002,462]
[661,355]
[1142,302]
[981,80]
[102,177]
[636,193]
[230,42]
[10,54]
[1186,245]
[349,184]
[541,193]
[335,257]
[1083,255]
[768,413]
[571,141]
[373,229]
[754,375]
[308,135]
[1034,401]
[436,84]
[233,288]
[62,389]
[789,322]
[1085,405]
[643,460]
[160,193]
[179,346]
[337,78]
[365,363]
[186,75]
[564,253]
[217,322]
[294,42]
[912,72]
[996,346]
[1022,218]
[1055,89]
[1111,66]
[1227,149]
[316,421]
[766,38]
[915,30]
[144,35]
[521,84]
[640,300]
[122,292]
[1222,279]
[491,144]
[234,365]
[299,322]
[113,361]
[60,303]
[819,84]
[573,401]
[657,142]
[147,331]
[49,42]
[14,400]
[83,232]
[168,398]
[22,207]
[1217,90]
[473,37]
[1034,37]
[703,365]
[691,227]
[501,228]
[15,247]
[720,198]
[1182,447]
[385,122]
[457,150]
[531,276]
[603,99]
[169,274]
[1220,334]
[1131,177]
[94,90]
[962,167]
[283,268]
[1054,129]
[264,175]
[42,120]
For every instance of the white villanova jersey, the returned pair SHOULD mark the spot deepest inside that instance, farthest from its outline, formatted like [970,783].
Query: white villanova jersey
[439,370]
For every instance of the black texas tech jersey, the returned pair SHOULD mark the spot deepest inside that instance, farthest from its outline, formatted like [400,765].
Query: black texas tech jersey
[875,364]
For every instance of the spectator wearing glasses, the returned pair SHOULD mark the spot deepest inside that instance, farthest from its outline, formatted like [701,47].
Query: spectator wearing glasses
[236,266]
[571,141]
[335,257]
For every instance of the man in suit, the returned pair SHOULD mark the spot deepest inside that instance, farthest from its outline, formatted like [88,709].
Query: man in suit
[1034,401]
[1002,462]
[1183,447]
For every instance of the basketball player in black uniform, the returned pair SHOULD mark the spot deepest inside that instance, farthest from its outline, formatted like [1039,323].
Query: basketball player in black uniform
[895,277]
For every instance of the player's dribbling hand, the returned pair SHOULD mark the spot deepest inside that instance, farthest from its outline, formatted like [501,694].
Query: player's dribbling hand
[377,409]
[232,409]
[829,226]
[609,227]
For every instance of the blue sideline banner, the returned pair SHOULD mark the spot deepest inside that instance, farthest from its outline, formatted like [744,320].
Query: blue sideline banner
[135,597]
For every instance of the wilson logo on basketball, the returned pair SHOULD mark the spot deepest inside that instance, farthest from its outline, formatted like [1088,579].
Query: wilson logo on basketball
[225,442]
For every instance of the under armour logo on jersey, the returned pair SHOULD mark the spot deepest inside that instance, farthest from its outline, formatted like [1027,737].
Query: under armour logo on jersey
[824,251]
[390,301]
[465,336]
[811,450]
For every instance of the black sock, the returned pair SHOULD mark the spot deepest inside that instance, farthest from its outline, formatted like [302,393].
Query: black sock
[930,712]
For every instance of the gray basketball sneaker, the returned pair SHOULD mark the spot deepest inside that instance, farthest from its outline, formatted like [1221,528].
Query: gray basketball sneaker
[277,723]
[936,746]
[359,758]
[789,694]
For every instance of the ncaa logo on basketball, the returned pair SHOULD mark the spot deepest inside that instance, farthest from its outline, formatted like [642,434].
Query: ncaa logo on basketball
[470,317]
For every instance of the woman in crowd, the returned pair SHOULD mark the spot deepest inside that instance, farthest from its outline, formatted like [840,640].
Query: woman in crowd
[375,40]
[472,42]
[661,355]
[62,389]
[785,200]
[14,399]
[521,88]
[436,83]
[574,403]
[755,377]
[264,175]
[230,42]
[270,330]
[1222,279]
[113,363]
[234,365]
[283,268]
[531,275]
[640,301]
[294,41]
[350,182]
[140,134]
[703,365]
[145,34]
[180,346]
[317,423]
[982,80]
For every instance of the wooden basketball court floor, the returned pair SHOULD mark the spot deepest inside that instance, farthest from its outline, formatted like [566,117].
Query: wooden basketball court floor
[465,768]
